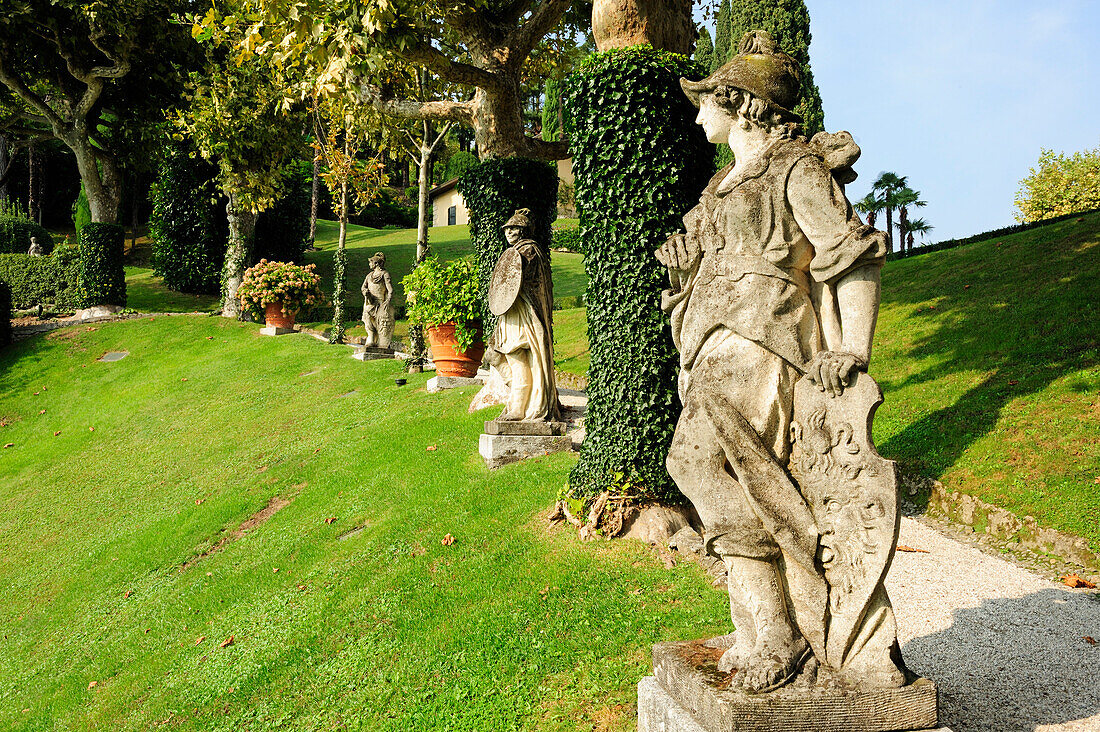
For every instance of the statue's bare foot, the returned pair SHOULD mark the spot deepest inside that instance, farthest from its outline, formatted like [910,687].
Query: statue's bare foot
[736,656]
[510,416]
[771,666]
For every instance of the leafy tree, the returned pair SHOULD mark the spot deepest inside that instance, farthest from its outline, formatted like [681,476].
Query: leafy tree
[551,111]
[704,50]
[1060,184]
[722,45]
[789,23]
[887,187]
[869,206]
[902,200]
[918,226]
[82,70]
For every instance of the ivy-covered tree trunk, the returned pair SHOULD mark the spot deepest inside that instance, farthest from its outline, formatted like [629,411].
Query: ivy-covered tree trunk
[315,197]
[101,178]
[640,163]
[339,270]
[242,235]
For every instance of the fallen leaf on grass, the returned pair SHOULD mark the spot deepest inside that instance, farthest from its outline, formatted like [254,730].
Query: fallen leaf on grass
[1074,580]
[55,434]
[93,684]
[1013,382]
[127,594]
[91,429]
[199,501]
[330,520]
[184,379]
[447,540]
[146,631]
[544,591]
[1097,481]
[903,548]
[41,411]
[227,642]
[10,444]
[209,338]
[200,639]
[1090,640]
[276,569]
[432,448]
[301,587]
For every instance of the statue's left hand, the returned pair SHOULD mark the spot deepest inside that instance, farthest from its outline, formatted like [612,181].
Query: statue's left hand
[831,371]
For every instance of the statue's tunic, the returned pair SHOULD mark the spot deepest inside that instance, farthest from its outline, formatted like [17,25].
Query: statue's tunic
[527,326]
[747,320]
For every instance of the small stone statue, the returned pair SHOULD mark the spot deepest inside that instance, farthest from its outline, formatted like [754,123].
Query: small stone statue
[36,250]
[378,317]
[773,300]
[522,346]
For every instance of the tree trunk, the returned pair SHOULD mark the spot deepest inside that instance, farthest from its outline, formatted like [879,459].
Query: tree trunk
[316,193]
[5,163]
[339,275]
[134,215]
[33,204]
[102,182]
[422,248]
[498,123]
[242,235]
[903,229]
[890,228]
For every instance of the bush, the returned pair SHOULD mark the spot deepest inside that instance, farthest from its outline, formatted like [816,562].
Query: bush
[282,232]
[188,225]
[102,280]
[1060,185]
[16,233]
[640,162]
[568,239]
[5,314]
[82,212]
[48,280]
[493,191]
[459,163]
[384,212]
[438,293]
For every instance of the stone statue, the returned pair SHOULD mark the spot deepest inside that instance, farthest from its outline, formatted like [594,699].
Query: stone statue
[521,294]
[773,300]
[378,317]
[36,250]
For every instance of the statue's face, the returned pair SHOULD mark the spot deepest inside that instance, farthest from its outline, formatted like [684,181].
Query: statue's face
[513,234]
[715,120]
[375,264]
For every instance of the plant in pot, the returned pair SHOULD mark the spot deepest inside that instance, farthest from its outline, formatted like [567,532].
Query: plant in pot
[277,291]
[444,298]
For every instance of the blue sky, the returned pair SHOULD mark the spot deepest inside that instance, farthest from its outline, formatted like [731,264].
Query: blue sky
[959,96]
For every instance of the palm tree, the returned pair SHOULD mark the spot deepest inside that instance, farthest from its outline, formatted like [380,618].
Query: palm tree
[918,226]
[888,184]
[903,198]
[869,206]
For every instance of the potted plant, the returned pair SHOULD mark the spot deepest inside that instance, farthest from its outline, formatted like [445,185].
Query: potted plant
[278,291]
[444,298]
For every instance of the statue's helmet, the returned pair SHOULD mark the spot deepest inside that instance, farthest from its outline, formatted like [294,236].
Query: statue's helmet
[759,68]
[521,219]
[379,258]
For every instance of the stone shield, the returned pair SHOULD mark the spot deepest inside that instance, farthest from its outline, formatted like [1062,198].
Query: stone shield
[507,281]
[852,493]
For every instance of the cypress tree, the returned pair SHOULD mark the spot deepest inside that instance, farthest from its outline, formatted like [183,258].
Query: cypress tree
[789,23]
[722,50]
[704,50]
[551,111]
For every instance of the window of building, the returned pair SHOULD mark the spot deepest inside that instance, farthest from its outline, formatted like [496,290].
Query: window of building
[452,215]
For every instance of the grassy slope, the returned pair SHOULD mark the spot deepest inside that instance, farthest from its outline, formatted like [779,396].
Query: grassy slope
[509,628]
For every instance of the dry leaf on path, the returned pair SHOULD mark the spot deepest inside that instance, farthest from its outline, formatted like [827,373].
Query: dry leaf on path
[447,540]
[227,642]
[903,548]
[1074,580]
[1090,640]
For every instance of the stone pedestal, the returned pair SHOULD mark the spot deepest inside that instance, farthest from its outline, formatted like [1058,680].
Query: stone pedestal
[509,442]
[439,383]
[372,353]
[274,330]
[687,693]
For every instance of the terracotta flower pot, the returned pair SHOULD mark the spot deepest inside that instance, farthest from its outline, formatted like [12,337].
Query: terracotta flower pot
[274,318]
[449,359]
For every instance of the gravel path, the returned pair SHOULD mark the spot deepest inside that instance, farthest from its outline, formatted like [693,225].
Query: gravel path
[1006,647]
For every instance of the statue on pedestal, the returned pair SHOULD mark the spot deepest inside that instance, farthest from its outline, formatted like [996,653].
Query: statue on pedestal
[521,294]
[773,301]
[378,312]
[36,249]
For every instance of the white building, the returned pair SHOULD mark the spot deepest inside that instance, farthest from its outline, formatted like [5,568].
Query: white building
[448,208]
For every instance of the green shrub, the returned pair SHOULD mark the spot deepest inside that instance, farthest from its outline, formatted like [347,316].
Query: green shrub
[493,191]
[48,280]
[438,293]
[5,314]
[459,163]
[82,212]
[282,232]
[568,239]
[188,225]
[384,212]
[16,233]
[102,280]
[640,163]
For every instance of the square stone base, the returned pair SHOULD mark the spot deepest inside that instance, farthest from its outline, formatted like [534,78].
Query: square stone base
[274,330]
[503,449]
[439,383]
[687,686]
[370,353]
[525,427]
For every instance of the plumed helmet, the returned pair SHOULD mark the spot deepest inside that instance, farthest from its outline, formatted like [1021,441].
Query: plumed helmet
[758,68]
[379,258]
[521,218]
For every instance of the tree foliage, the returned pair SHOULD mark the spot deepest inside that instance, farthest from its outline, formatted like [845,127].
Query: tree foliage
[722,44]
[1060,184]
[640,162]
[704,50]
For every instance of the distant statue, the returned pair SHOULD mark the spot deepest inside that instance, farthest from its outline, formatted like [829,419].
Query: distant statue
[378,311]
[773,300]
[36,250]
[521,294]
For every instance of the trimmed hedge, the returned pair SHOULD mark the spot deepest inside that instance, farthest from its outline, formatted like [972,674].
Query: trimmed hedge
[640,162]
[282,231]
[48,280]
[493,191]
[102,280]
[16,233]
[188,225]
[5,314]
[568,239]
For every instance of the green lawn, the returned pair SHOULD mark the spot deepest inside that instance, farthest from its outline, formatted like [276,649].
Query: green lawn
[146,293]
[363,622]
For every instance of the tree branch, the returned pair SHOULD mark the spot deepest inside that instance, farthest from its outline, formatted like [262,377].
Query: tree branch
[524,38]
[534,147]
[449,69]
[439,138]
[412,109]
[20,88]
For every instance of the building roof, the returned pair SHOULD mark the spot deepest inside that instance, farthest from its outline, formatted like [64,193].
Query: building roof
[442,188]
